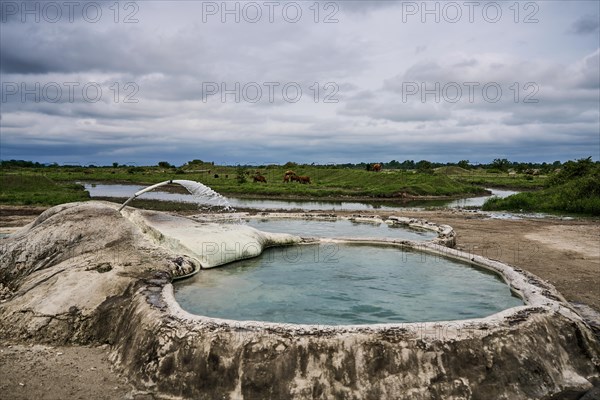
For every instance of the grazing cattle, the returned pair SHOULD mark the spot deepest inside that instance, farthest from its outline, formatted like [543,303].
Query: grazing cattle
[294,178]
[216,176]
[288,176]
[376,167]
[304,179]
[260,178]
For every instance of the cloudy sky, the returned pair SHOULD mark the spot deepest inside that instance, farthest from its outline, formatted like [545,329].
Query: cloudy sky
[270,82]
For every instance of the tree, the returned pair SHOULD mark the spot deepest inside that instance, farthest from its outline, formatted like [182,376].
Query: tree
[164,164]
[465,164]
[240,174]
[424,166]
[501,164]
[392,165]
[115,165]
[408,164]
[572,170]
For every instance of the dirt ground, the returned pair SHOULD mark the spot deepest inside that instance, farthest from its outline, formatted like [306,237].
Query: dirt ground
[564,252]
[30,372]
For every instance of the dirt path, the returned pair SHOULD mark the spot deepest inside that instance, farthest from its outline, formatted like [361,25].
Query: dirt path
[44,372]
[565,253]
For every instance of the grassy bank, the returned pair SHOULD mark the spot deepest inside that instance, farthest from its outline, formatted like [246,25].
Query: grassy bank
[38,190]
[57,184]
[29,185]
[359,182]
[502,180]
[340,183]
[575,189]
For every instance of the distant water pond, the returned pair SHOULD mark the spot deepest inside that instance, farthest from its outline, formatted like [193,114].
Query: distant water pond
[478,201]
[124,191]
[344,284]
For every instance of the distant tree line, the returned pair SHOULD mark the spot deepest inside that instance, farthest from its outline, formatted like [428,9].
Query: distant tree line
[496,165]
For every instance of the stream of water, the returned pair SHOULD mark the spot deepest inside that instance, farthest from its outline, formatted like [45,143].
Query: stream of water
[124,191]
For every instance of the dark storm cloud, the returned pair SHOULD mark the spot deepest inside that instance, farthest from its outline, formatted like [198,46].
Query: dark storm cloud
[586,25]
[72,48]
[48,152]
[12,61]
[171,53]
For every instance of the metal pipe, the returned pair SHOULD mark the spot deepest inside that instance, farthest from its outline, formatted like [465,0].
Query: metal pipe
[140,192]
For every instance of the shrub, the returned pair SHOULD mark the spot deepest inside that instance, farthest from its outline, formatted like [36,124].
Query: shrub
[241,175]
[576,189]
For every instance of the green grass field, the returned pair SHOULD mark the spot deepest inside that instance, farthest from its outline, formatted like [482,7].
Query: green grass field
[554,193]
[495,179]
[20,189]
[325,182]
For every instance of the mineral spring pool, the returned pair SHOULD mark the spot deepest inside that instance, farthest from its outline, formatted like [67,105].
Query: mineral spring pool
[339,228]
[333,284]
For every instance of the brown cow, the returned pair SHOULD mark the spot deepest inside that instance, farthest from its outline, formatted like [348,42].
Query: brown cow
[376,167]
[304,179]
[260,178]
[288,175]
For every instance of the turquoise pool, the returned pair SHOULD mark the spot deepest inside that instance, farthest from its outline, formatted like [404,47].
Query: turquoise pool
[345,284]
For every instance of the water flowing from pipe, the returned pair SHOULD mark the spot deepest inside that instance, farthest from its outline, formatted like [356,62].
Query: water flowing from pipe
[204,196]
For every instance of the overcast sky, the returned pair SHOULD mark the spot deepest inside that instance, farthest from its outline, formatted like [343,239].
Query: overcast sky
[346,81]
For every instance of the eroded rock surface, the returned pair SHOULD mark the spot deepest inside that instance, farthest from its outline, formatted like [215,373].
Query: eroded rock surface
[59,271]
[84,273]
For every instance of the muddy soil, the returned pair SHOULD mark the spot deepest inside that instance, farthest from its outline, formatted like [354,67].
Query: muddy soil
[46,372]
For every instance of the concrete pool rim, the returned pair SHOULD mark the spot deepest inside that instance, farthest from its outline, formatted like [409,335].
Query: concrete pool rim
[535,293]
[545,317]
